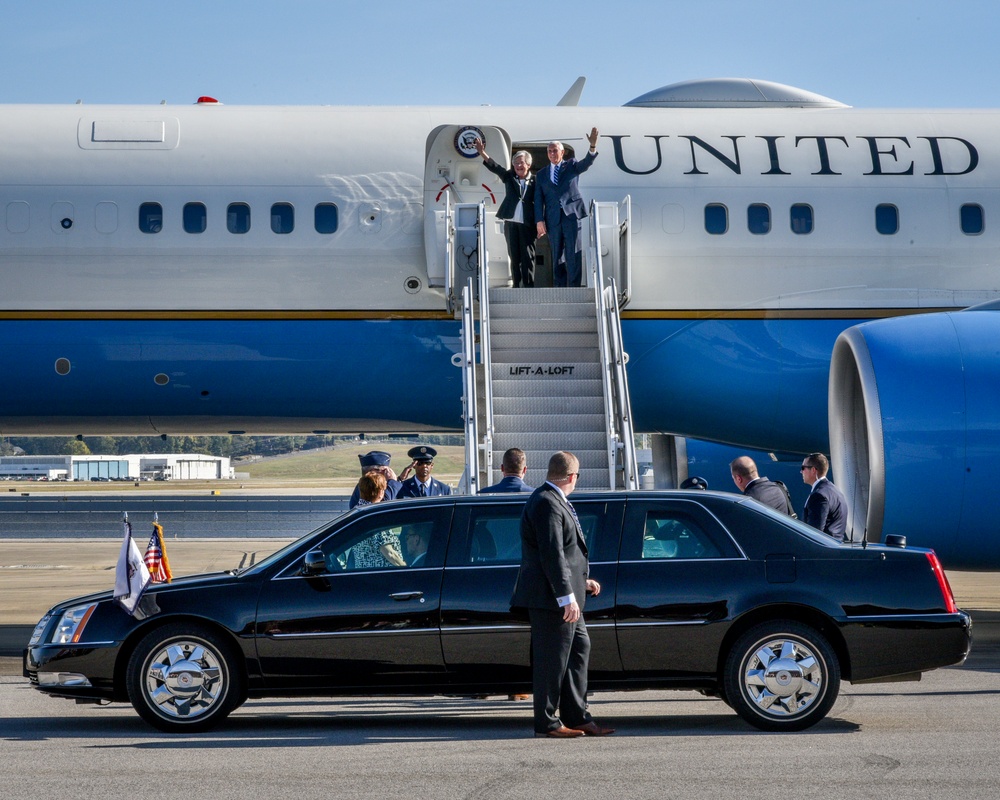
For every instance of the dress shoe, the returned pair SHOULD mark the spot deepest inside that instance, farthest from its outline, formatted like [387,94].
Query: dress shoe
[561,732]
[593,729]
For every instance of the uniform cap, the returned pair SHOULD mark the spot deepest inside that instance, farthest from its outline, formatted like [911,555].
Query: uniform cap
[375,458]
[422,453]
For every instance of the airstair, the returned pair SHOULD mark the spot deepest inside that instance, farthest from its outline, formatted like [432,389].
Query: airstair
[544,368]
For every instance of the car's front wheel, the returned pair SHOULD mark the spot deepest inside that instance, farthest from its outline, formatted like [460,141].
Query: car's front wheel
[782,676]
[184,678]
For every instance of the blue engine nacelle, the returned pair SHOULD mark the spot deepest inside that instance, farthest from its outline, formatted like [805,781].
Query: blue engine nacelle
[915,432]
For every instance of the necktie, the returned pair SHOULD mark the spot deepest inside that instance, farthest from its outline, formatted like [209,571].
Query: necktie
[423,490]
[555,173]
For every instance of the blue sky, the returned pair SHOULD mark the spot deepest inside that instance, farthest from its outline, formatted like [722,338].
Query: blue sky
[866,53]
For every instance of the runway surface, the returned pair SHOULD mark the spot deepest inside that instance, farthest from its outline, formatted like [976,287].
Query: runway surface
[73,516]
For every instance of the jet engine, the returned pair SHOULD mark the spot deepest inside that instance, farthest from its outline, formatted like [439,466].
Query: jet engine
[915,431]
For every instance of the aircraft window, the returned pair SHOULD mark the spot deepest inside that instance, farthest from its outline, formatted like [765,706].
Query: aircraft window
[716,218]
[150,218]
[326,218]
[282,218]
[195,218]
[972,219]
[801,217]
[758,218]
[886,219]
[238,218]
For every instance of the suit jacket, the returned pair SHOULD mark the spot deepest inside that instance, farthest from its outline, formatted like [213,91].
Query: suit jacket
[553,553]
[551,200]
[769,493]
[410,488]
[510,483]
[513,187]
[826,509]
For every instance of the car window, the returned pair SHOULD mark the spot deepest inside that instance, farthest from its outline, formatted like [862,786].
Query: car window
[675,535]
[494,533]
[678,530]
[406,539]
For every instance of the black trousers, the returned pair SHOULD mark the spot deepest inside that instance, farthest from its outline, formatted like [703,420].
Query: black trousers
[560,654]
[521,249]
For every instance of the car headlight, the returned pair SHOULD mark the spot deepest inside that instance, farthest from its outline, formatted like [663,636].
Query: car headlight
[39,629]
[71,624]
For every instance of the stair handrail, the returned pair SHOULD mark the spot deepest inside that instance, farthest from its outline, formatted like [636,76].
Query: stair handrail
[625,251]
[485,352]
[621,435]
[449,254]
[469,405]
[597,270]
[630,463]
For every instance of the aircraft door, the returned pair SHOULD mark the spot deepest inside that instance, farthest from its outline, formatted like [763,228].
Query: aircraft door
[454,173]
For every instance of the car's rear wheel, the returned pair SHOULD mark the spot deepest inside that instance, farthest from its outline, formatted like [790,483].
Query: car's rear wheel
[782,676]
[184,678]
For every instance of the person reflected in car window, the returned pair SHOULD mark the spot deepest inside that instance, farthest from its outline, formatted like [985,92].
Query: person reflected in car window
[416,546]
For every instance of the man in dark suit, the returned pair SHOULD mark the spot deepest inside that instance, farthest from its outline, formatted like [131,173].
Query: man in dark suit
[770,493]
[553,584]
[422,484]
[518,212]
[514,467]
[559,207]
[826,506]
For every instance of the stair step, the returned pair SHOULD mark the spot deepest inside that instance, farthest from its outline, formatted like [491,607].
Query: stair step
[554,296]
[544,342]
[554,311]
[547,423]
[503,326]
[547,404]
[550,441]
[548,390]
[564,357]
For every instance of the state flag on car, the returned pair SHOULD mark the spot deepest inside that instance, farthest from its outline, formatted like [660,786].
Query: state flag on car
[131,575]
[156,557]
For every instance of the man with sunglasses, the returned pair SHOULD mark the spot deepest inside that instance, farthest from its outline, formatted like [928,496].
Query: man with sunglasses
[826,506]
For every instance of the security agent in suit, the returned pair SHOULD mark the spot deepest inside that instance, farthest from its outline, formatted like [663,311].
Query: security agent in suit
[770,493]
[518,212]
[559,207]
[377,461]
[552,585]
[826,506]
[514,467]
[422,484]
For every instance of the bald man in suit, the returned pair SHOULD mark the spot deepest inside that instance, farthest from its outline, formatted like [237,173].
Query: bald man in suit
[552,585]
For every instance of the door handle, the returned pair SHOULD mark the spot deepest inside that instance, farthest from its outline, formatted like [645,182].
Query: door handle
[407,595]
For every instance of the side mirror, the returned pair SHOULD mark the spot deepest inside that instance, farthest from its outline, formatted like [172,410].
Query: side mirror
[314,563]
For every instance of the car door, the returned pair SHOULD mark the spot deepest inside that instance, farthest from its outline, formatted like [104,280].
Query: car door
[365,621]
[482,639]
[678,568]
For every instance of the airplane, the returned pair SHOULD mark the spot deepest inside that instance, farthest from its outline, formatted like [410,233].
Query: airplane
[804,276]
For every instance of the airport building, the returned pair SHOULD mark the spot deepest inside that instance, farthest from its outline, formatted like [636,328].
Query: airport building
[145,466]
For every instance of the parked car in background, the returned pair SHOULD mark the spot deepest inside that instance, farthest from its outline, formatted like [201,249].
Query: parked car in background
[700,591]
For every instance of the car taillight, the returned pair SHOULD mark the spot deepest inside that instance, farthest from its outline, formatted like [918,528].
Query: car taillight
[942,579]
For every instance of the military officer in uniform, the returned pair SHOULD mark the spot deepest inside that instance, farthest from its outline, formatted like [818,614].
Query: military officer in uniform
[377,461]
[422,484]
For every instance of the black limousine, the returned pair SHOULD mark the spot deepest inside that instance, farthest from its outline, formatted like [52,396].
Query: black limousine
[700,590]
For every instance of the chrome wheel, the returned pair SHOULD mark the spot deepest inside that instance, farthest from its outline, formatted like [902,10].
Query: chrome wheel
[183,679]
[782,676]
